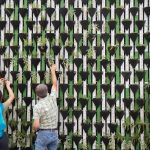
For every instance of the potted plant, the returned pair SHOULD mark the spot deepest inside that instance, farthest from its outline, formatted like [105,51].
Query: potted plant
[119,11]
[99,125]
[2,48]
[119,113]
[76,137]
[77,112]
[105,11]
[43,47]
[86,124]
[70,100]
[21,111]
[36,9]
[83,100]
[78,86]
[64,112]
[23,11]
[13,124]
[112,23]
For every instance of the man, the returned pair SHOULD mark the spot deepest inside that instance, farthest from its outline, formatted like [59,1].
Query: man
[3,107]
[45,115]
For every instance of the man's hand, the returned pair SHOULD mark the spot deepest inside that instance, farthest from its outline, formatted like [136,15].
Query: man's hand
[8,83]
[2,80]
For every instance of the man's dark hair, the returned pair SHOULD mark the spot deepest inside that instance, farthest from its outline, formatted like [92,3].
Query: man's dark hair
[41,90]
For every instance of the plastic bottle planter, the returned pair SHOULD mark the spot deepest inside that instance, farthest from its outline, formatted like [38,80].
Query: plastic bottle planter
[126,75]
[28,100]
[98,24]
[25,125]
[133,62]
[70,126]
[70,24]
[119,37]
[91,37]
[110,75]
[147,10]
[105,11]
[15,49]
[21,111]
[134,88]
[91,139]
[56,24]
[23,11]
[104,63]
[36,11]
[91,61]
[97,101]
[43,24]
[62,138]
[133,36]
[63,87]
[70,101]
[13,124]
[140,102]
[97,75]
[112,127]
[42,75]
[56,49]
[71,75]
[105,37]
[98,126]
[78,87]
[140,24]
[78,37]
[147,36]
[27,75]
[119,88]
[70,49]
[105,87]
[63,11]
[141,49]
[106,140]
[23,36]
[119,11]
[147,62]
[91,87]
[105,114]
[119,62]
[15,24]
[50,11]
[2,24]
[84,75]
[78,61]
[76,138]
[112,24]
[85,24]
[22,87]
[98,50]
[14,74]
[9,36]
[86,126]
[29,49]
[134,114]
[64,113]
[50,36]
[111,102]
[7,62]
[35,61]
[134,11]
[2,50]
[91,114]
[127,102]
[2,74]
[83,101]
[120,114]
[9,11]
[126,23]
[36,36]
[77,113]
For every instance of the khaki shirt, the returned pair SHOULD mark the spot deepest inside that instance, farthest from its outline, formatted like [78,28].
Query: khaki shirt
[47,111]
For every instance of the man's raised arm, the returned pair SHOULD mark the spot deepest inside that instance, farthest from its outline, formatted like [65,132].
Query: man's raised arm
[53,76]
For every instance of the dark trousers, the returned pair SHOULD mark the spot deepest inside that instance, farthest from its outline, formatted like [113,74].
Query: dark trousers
[4,142]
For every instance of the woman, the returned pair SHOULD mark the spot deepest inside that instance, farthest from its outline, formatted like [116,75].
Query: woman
[3,108]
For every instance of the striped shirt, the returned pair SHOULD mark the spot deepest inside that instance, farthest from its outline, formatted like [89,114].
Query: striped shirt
[47,111]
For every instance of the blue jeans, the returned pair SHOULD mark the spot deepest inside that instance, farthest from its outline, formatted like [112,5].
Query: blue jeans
[46,139]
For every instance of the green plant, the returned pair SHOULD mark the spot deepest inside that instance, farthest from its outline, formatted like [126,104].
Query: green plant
[34,76]
[127,144]
[20,137]
[83,146]
[68,143]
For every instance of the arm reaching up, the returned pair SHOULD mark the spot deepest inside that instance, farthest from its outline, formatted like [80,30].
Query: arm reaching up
[54,78]
[11,95]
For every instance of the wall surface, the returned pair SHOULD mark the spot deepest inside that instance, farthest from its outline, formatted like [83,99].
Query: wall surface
[102,52]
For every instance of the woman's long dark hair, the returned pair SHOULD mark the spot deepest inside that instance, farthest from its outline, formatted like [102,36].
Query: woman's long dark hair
[1,96]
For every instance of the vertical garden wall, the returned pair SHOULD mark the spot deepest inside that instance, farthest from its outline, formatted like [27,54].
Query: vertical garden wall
[102,52]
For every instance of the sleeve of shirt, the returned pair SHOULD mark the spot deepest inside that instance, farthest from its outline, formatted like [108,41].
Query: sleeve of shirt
[36,113]
[5,106]
[53,93]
